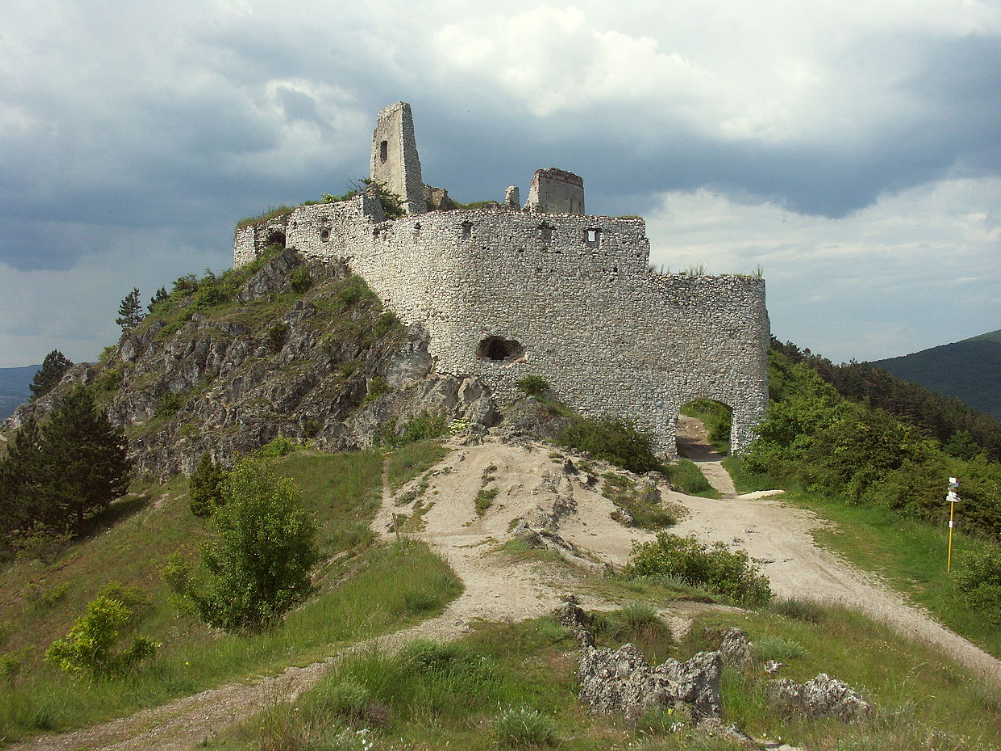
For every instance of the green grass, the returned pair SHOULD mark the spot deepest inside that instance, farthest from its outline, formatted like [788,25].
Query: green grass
[362,592]
[406,462]
[642,502]
[686,476]
[512,685]
[909,554]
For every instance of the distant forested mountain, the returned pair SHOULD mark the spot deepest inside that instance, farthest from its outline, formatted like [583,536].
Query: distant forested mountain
[969,370]
[14,389]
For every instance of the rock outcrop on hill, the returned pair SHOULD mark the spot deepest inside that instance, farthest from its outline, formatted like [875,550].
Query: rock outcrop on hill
[230,372]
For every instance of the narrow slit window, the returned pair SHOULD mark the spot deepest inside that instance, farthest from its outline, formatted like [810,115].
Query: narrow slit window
[384,151]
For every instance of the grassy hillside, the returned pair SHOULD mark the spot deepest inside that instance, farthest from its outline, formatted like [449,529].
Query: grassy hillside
[968,370]
[364,590]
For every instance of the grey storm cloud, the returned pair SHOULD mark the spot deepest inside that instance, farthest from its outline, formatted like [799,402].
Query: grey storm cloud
[141,134]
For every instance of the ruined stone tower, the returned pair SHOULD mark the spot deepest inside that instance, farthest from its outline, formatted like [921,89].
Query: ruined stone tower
[556,191]
[395,162]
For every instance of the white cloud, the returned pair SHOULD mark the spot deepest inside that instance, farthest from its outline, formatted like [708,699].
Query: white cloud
[917,269]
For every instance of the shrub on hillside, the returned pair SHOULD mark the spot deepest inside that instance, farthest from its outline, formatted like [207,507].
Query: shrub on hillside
[258,568]
[979,579]
[88,648]
[612,439]
[205,486]
[533,385]
[717,569]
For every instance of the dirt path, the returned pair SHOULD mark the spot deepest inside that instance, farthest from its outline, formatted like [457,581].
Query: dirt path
[780,537]
[565,506]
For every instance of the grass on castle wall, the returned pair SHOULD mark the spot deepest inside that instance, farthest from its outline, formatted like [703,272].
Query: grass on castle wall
[365,591]
[464,694]
[909,554]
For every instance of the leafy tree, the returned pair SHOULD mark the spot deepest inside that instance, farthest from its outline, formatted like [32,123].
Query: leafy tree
[258,568]
[84,461]
[158,297]
[87,648]
[130,312]
[205,487]
[54,366]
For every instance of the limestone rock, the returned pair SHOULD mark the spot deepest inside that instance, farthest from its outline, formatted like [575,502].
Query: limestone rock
[821,697]
[735,648]
[621,680]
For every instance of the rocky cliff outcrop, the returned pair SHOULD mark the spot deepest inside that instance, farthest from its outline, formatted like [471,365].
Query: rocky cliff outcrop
[228,365]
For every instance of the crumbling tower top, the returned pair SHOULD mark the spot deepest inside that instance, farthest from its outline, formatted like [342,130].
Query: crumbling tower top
[556,191]
[395,162]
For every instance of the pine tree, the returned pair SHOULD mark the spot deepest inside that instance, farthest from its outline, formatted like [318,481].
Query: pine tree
[54,366]
[160,296]
[20,474]
[84,461]
[205,491]
[130,312]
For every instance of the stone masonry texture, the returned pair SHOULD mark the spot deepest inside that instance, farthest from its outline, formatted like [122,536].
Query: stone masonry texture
[570,296]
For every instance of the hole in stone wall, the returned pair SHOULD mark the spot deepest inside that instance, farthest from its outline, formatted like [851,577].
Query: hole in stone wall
[324,234]
[384,151]
[545,233]
[592,236]
[499,349]
[276,238]
[467,230]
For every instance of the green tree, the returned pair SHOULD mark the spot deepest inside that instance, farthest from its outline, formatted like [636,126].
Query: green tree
[20,473]
[84,462]
[205,487]
[258,568]
[53,367]
[158,297]
[130,312]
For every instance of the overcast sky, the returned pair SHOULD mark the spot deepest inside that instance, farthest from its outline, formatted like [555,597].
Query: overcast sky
[851,149]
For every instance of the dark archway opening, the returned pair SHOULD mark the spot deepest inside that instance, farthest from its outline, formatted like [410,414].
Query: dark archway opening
[499,349]
[275,238]
[703,429]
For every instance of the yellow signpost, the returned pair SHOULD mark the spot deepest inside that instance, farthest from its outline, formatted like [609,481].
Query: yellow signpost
[953,499]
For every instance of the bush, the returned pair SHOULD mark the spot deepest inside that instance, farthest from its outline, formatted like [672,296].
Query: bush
[533,385]
[612,439]
[205,486]
[731,574]
[778,648]
[259,566]
[87,648]
[278,447]
[980,580]
[425,426]
[300,279]
[524,726]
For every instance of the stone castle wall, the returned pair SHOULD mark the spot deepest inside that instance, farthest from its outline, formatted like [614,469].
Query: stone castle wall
[567,297]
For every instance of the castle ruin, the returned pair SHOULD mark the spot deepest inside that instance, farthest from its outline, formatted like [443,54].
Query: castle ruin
[504,292]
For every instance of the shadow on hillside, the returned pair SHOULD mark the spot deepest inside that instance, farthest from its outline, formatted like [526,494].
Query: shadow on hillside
[118,511]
